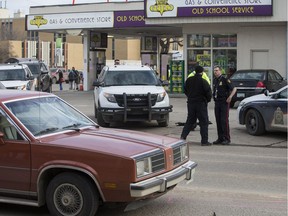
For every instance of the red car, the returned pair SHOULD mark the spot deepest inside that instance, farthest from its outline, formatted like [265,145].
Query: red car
[52,154]
[55,74]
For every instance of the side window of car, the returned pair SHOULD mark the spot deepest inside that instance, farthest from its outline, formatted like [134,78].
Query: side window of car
[271,76]
[277,76]
[9,131]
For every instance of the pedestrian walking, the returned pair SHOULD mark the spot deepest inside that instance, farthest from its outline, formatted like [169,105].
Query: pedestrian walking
[77,79]
[223,91]
[60,79]
[72,77]
[199,94]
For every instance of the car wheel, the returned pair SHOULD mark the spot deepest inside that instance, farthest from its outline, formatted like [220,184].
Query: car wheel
[254,123]
[71,194]
[54,80]
[100,120]
[164,123]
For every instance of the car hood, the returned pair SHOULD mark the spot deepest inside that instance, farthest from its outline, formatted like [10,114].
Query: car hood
[14,83]
[137,89]
[110,141]
[260,97]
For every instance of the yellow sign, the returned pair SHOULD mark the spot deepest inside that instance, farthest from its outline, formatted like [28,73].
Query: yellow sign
[204,60]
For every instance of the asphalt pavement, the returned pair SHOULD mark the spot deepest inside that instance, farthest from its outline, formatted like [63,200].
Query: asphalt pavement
[83,100]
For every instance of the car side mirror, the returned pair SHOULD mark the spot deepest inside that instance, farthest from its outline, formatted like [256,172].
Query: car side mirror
[266,92]
[97,83]
[164,82]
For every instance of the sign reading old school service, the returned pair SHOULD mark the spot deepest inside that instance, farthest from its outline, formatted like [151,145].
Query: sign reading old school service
[197,8]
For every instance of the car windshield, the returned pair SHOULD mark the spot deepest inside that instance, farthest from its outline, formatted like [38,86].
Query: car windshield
[247,75]
[116,78]
[14,74]
[44,115]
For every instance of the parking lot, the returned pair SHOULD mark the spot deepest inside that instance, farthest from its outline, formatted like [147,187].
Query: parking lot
[83,100]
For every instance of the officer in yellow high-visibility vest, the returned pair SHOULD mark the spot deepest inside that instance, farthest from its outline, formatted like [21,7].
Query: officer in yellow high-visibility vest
[204,76]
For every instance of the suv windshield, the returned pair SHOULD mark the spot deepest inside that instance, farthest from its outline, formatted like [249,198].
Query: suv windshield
[116,78]
[15,74]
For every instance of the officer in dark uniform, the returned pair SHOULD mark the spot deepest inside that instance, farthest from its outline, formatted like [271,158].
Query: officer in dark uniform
[223,91]
[198,93]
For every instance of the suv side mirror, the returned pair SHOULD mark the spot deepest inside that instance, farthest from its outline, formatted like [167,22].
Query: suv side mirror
[97,83]
[164,82]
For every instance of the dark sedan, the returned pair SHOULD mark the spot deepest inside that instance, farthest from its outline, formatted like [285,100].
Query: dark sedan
[251,82]
[264,112]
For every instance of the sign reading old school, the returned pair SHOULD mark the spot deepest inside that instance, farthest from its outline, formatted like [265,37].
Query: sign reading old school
[195,8]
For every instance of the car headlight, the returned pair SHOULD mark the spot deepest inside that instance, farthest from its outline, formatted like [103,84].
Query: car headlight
[180,152]
[149,162]
[242,103]
[161,96]
[109,97]
[144,167]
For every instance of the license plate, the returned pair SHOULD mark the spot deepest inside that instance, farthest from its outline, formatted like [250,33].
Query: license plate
[240,95]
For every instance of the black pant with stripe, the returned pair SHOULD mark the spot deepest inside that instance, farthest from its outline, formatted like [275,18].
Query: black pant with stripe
[221,111]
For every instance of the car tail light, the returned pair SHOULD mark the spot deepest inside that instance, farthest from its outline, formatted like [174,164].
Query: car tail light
[260,85]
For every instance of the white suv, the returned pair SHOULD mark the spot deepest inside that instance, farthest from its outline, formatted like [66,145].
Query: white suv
[125,93]
[17,76]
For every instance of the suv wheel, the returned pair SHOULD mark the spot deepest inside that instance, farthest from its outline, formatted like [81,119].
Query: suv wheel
[101,121]
[165,122]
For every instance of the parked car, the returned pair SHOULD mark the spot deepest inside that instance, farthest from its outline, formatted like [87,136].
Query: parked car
[125,93]
[55,74]
[40,71]
[17,77]
[53,154]
[264,112]
[251,82]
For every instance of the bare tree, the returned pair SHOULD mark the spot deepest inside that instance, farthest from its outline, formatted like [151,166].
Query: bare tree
[165,44]
[5,50]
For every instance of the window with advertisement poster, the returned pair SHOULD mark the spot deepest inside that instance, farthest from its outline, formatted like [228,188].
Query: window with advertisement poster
[208,50]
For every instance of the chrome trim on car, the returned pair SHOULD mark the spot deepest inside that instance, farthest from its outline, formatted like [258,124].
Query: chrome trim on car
[162,182]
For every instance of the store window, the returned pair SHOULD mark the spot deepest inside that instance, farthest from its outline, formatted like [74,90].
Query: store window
[200,57]
[208,50]
[198,40]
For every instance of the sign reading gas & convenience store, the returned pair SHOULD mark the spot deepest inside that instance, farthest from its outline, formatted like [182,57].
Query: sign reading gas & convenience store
[207,8]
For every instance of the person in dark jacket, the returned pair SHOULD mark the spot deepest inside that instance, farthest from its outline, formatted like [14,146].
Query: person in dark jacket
[198,93]
[60,79]
[223,91]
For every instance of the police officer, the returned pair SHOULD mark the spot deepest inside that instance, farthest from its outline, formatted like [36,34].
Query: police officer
[198,93]
[223,91]
[204,76]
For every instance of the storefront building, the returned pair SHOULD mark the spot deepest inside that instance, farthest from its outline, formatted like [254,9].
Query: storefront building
[235,34]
